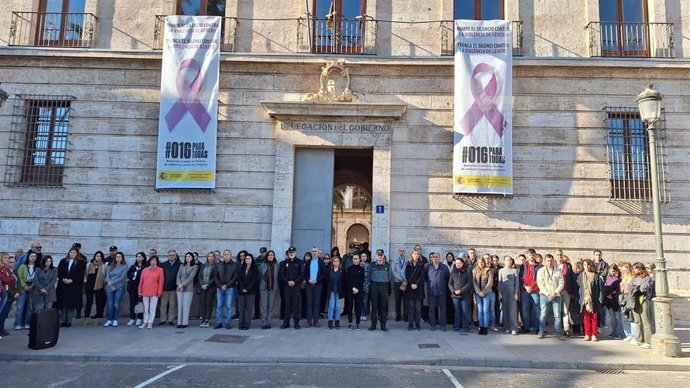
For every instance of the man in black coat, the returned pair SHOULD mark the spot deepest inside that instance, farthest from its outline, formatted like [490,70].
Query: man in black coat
[292,275]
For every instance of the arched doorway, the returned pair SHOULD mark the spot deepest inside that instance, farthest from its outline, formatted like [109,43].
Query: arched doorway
[351,216]
[357,234]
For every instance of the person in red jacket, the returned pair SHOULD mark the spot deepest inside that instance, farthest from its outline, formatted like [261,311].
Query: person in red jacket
[150,289]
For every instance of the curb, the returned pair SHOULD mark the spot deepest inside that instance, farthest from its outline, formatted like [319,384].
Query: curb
[461,362]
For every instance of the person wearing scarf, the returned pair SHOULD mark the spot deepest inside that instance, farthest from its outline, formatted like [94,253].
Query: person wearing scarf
[591,297]
[95,288]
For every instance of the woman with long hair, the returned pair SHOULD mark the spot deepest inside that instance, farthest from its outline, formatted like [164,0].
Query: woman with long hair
[115,278]
[185,289]
[482,280]
[627,276]
[591,297]
[134,276]
[612,285]
[70,281]
[328,264]
[268,288]
[150,289]
[8,282]
[95,288]
[206,288]
[354,286]
[44,284]
[247,286]
[414,292]
[26,274]
[508,291]
[335,284]
[450,307]
[364,262]
[642,288]
[460,286]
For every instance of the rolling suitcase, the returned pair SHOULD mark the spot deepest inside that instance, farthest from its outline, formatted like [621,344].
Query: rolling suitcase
[45,328]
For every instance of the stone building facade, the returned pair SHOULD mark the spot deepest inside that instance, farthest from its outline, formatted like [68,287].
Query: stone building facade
[566,74]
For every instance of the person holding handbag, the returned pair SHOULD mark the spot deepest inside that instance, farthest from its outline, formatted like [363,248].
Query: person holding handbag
[134,276]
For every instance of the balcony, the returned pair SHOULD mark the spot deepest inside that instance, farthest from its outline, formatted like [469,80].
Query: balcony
[52,29]
[634,40]
[448,38]
[228,33]
[338,35]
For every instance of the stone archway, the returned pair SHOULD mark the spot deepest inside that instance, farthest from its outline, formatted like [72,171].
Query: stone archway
[357,233]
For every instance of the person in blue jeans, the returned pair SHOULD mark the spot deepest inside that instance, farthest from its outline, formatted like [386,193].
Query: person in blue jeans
[26,274]
[225,280]
[550,282]
[529,291]
[115,278]
[460,286]
[482,280]
[335,285]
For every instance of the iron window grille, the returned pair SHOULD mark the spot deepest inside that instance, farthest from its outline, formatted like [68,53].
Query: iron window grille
[627,145]
[38,140]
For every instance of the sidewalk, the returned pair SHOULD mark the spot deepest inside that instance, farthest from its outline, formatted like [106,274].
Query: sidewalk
[309,345]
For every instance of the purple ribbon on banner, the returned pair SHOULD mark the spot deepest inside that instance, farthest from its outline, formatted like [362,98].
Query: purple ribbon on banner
[189,97]
[483,102]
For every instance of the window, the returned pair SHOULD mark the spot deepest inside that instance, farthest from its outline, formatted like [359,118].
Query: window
[628,156]
[624,28]
[478,9]
[61,23]
[40,127]
[201,7]
[338,26]
[205,8]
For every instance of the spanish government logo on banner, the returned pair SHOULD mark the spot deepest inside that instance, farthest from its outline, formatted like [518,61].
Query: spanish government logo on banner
[482,147]
[188,122]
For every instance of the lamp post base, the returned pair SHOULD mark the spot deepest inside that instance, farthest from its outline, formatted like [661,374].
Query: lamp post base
[664,341]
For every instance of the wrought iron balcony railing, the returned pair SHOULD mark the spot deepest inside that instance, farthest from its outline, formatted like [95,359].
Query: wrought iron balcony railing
[228,32]
[645,40]
[448,38]
[338,35]
[52,29]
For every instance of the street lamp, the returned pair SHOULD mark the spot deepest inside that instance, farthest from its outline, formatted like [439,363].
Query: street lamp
[664,340]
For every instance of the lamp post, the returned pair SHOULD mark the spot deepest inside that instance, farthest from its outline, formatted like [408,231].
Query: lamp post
[664,340]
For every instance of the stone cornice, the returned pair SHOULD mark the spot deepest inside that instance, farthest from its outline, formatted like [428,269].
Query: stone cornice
[296,110]
[352,60]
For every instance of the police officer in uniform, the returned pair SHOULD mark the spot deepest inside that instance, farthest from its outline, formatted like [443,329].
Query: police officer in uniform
[380,279]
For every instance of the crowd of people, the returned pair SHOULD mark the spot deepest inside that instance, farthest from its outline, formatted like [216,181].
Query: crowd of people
[532,293]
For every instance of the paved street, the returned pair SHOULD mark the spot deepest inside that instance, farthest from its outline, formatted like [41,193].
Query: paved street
[55,374]
[398,347]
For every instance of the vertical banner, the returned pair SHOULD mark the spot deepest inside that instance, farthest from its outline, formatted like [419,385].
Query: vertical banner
[483,131]
[188,120]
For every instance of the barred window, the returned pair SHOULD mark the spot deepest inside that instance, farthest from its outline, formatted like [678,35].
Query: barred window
[628,155]
[38,140]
